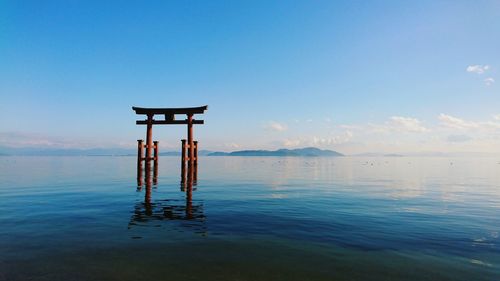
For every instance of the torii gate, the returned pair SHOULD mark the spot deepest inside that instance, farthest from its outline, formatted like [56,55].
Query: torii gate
[169,113]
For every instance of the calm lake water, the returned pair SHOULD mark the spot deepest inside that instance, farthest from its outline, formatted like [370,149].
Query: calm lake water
[254,218]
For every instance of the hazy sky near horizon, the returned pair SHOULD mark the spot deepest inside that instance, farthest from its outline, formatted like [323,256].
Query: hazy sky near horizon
[354,76]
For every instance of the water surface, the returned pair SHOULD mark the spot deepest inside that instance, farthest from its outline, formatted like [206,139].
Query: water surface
[253,218]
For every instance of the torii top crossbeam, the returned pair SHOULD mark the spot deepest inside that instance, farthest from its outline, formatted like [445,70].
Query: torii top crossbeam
[172,110]
[169,114]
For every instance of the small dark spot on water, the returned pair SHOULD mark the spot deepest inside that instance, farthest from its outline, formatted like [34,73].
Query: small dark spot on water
[136,237]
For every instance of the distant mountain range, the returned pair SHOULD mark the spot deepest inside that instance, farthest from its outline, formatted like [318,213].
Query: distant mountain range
[301,152]
[307,151]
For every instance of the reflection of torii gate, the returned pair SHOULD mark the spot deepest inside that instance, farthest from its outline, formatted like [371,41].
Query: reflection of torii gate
[169,113]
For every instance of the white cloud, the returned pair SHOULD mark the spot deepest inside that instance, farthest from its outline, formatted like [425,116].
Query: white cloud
[478,69]
[275,126]
[232,145]
[489,81]
[406,124]
[292,142]
[456,123]
[398,124]
[396,134]
[21,139]
[351,127]
[332,140]
[460,124]
[37,140]
[490,125]
[320,141]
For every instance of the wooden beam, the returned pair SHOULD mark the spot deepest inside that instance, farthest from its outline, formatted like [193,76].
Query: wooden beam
[169,122]
[168,111]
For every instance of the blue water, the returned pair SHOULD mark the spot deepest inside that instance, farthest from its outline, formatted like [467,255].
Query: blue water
[253,218]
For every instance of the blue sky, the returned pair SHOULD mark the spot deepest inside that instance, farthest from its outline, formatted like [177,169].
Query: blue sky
[355,76]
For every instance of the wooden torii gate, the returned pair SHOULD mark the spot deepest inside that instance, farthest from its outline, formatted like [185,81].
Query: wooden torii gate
[169,119]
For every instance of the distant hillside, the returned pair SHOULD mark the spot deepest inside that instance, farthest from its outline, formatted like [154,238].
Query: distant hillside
[26,151]
[308,151]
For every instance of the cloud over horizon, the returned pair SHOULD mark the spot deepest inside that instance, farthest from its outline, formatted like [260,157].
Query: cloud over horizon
[456,123]
[320,141]
[407,124]
[396,134]
[275,126]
